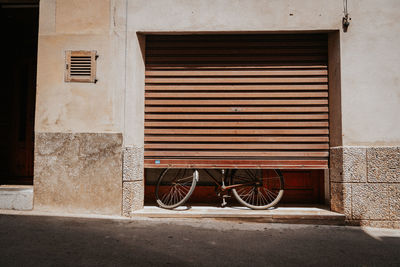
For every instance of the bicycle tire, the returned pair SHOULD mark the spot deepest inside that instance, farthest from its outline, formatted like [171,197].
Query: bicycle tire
[256,195]
[175,186]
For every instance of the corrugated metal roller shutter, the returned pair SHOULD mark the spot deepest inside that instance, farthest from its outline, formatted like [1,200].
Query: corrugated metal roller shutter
[236,101]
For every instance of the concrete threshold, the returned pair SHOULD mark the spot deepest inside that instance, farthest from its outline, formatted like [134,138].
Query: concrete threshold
[295,215]
[16,197]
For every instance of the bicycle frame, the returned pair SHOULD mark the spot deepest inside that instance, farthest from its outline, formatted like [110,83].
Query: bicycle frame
[221,187]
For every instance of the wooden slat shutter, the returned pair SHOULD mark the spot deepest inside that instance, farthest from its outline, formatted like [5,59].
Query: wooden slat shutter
[232,101]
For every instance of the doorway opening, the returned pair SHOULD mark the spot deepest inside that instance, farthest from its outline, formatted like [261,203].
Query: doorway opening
[238,101]
[19,31]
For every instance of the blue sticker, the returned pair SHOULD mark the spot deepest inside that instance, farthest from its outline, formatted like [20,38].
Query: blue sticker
[157,162]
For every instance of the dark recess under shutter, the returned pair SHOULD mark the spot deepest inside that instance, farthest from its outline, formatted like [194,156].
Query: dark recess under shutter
[229,101]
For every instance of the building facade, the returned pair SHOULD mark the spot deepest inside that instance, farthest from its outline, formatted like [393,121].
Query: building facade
[89,137]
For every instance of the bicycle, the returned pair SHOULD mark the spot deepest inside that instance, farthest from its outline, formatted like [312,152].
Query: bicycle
[253,188]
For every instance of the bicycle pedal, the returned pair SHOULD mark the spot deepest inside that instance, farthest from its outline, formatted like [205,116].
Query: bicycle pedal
[223,196]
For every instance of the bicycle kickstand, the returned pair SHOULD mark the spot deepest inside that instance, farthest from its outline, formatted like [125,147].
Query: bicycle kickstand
[224,203]
[224,195]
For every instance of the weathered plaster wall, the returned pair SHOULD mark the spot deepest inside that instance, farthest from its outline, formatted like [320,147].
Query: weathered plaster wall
[78,145]
[81,25]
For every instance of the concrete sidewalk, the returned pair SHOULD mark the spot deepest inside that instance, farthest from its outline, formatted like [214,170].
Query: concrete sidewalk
[63,241]
[303,214]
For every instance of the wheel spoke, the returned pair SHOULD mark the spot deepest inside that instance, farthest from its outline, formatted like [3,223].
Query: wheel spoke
[167,197]
[164,197]
[268,195]
[180,193]
[242,179]
[187,179]
[172,196]
[251,174]
[247,195]
[183,189]
[263,197]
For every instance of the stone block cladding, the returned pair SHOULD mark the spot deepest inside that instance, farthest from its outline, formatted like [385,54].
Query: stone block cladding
[78,172]
[365,185]
[133,179]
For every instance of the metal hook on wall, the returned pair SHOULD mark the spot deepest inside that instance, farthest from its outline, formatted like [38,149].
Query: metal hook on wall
[346,18]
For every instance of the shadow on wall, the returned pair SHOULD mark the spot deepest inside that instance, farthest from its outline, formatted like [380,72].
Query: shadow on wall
[88,242]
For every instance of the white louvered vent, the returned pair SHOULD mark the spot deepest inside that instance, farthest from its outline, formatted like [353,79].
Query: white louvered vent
[80,66]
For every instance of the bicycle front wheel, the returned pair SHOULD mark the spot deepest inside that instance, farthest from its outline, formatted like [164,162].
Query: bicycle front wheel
[257,189]
[175,186]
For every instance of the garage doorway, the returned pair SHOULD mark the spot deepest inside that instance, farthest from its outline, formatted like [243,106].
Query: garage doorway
[239,101]
[19,31]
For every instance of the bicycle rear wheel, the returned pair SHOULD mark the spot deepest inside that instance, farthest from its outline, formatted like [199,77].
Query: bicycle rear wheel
[175,186]
[261,189]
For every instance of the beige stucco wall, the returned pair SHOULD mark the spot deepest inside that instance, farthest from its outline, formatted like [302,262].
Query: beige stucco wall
[81,25]
[370,74]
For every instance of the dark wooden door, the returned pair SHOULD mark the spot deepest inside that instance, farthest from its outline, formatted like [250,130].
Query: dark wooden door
[17,100]
[303,186]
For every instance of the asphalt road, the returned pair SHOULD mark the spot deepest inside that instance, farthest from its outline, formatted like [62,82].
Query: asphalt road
[58,241]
